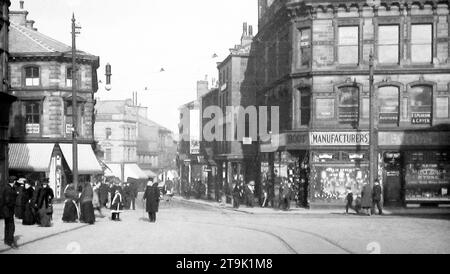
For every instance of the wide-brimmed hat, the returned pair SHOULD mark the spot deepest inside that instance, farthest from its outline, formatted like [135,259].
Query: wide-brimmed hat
[12,179]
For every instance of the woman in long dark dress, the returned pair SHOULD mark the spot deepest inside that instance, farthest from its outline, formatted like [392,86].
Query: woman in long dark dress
[19,208]
[70,214]
[86,206]
[44,204]
[28,212]
[152,196]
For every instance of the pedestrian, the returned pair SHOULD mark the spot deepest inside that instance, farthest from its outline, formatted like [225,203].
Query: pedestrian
[37,186]
[71,212]
[152,196]
[103,194]
[96,198]
[44,204]
[28,213]
[112,192]
[236,195]
[19,208]
[286,196]
[134,194]
[127,196]
[8,203]
[116,205]
[376,197]
[250,193]
[366,198]
[86,207]
[349,200]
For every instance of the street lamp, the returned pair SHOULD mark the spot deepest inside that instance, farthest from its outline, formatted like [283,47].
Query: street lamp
[108,74]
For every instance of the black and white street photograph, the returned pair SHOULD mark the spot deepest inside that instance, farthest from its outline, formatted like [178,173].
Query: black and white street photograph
[225,127]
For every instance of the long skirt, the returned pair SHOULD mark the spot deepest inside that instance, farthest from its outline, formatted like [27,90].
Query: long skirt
[28,215]
[87,213]
[70,213]
[44,217]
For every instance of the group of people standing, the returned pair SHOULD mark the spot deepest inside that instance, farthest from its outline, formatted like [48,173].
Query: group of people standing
[243,193]
[31,202]
[366,202]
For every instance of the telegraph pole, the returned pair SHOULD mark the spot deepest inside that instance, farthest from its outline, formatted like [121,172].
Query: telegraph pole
[74,108]
[372,149]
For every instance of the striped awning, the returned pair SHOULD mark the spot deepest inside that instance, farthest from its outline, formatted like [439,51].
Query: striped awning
[87,161]
[130,171]
[30,157]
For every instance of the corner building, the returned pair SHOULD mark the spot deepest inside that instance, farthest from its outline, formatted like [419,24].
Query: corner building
[311,58]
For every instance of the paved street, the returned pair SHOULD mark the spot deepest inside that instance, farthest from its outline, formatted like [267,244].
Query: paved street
[192,228]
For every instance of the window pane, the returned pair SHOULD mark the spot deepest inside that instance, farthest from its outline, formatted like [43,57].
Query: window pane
[348,104]
[388,41]
[348,45]
[35,72]
[388,99]
[28,73]
[421,43]
[305,47]
[421,104]
[348,35]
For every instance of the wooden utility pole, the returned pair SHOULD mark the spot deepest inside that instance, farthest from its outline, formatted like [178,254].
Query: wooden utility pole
[74,107]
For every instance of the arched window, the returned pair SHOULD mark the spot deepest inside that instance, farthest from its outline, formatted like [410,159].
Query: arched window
[421,98]
[32,76]
[389,104]
[348,104]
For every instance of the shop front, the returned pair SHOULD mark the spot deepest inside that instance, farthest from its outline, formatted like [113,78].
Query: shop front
[339,161]
[415,167]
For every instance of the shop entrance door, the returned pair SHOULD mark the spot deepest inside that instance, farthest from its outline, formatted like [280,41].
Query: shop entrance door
[392,179]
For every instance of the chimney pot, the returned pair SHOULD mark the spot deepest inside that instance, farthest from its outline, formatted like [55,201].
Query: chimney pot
[21,5]
[250,30]
[244,28]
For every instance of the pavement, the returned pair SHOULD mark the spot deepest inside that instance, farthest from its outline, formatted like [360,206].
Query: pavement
[316,209]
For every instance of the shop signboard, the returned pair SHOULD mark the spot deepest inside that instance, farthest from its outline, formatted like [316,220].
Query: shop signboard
[340,138]
[413,138]
[421,118]
[388,118]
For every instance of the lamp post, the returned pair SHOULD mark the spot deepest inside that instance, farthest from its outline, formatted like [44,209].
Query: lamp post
[373,140]
[75,31]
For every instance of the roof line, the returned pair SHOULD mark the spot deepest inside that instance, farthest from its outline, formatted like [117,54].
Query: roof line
[18,28]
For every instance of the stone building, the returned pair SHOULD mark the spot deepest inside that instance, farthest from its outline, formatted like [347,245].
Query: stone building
[41,77]
[5,98]
[311,58]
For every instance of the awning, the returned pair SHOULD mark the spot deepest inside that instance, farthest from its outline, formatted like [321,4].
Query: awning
[131,171]
[30,157]
[87,161]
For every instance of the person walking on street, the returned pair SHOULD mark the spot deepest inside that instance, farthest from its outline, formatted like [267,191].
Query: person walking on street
[28,214]
[152,196]
[349,200]
[9,196]
[250,189]
[376,197]
[96,198]
[71,212]
[127,196]
[103,194]
[116,205]
[44,204]
[86,206]
[366,198]
[19,187]
[236,195]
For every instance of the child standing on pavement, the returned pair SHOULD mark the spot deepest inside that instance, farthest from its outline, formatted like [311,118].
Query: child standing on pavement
[349,200]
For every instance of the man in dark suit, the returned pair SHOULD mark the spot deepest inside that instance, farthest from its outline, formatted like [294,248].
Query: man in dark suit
[9,196]
[376,197]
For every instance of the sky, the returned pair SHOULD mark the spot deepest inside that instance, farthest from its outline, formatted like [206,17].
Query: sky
[143,36]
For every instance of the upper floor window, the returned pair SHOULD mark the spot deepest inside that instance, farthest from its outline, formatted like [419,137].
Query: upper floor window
[108,133]
[305,48]
[305,107]
[108,154]
[32,117]
[388,44]
[421,98]
[422,43]
[32,77]
[348,104]
[69,77]
[389,104]
[348,50]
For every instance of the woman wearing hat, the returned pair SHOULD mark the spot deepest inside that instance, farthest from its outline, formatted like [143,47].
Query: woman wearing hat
[152,196]
[19,187]
[86,206]
[44,204]
[27,198]
[70,214]
[116,205]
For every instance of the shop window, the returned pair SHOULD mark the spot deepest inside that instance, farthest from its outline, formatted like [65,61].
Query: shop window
[348,104]
[442,107]
[422,43]
[421,104]
[388,100]
[325,109]
[32,117]
[348,51]
[305,107]
[32,77]
[304,47]
[388,44]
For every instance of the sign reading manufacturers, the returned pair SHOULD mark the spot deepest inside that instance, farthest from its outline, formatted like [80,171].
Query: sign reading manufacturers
[340,138]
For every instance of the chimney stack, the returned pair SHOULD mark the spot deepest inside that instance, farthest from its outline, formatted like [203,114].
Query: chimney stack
[21,5]
[244,27]
[250,30]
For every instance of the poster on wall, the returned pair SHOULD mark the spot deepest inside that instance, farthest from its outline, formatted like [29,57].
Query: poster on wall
[331,183]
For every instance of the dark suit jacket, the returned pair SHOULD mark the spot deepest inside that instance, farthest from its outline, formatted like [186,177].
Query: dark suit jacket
[9,201]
